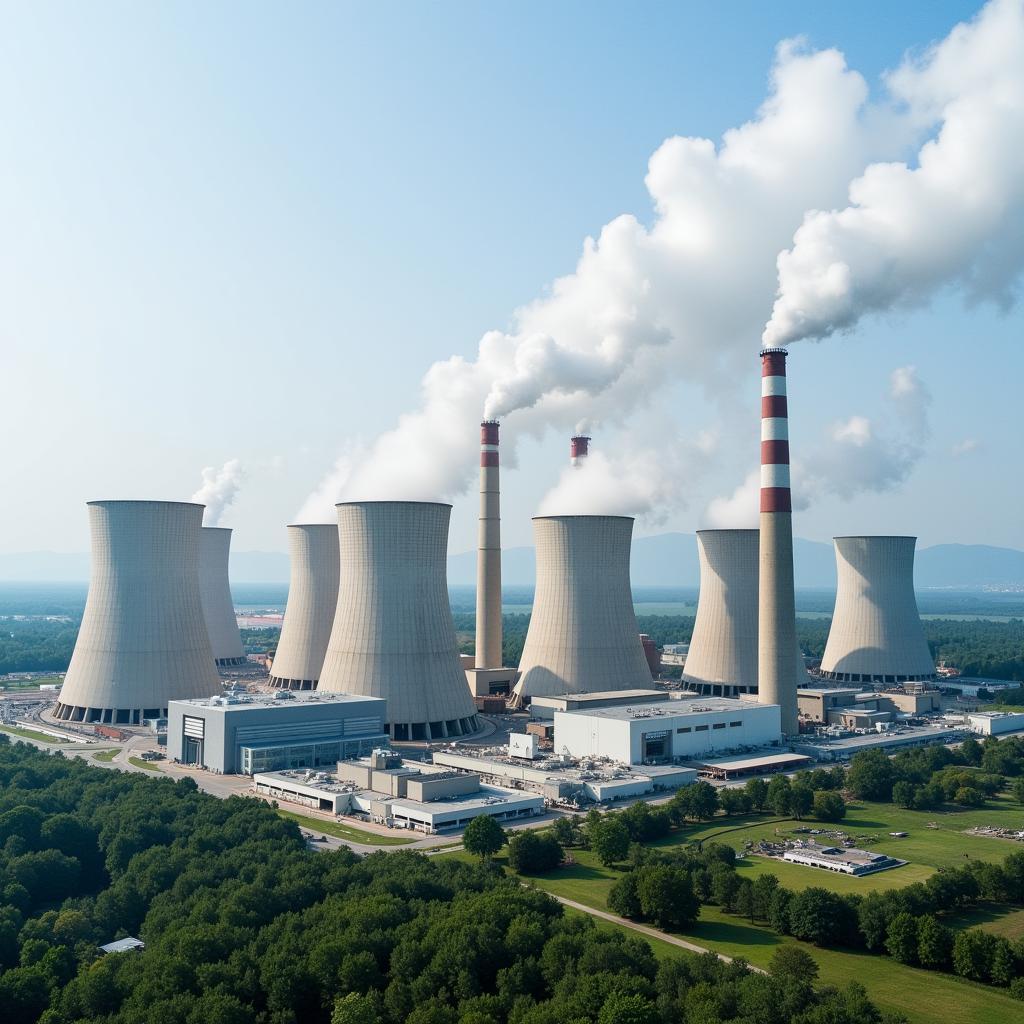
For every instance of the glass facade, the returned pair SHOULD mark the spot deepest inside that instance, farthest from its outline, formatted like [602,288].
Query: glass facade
[278,757]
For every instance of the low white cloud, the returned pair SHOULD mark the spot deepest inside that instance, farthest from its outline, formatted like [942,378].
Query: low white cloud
[965,447]
[219,489]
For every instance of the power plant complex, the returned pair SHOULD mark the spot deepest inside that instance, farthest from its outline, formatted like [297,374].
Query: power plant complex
[368,639]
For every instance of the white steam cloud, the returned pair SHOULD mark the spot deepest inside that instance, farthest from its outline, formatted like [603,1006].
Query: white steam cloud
[220,486]
[686,296]
[955,216]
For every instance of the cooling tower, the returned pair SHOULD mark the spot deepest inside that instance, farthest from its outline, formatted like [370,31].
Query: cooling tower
[312,602]
[215,591]
[722,659]
[876,634]
[393,634]
[776,645]
[143,640]
[583,635]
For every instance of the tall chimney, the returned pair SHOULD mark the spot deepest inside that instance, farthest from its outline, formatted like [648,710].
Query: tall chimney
[579,449]
[776,665]
[488,557]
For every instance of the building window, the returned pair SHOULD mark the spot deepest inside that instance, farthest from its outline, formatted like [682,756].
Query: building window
[701,728]
[735,725]
[718,725]
[685,728]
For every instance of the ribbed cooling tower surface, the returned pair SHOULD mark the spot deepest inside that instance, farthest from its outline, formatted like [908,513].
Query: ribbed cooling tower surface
[876,634]
[215,591]
[583,635]
[143,640]
[312,602]
[722,659]
[393,634]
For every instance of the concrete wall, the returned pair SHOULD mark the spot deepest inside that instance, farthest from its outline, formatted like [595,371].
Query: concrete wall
[215,592]
[436,787]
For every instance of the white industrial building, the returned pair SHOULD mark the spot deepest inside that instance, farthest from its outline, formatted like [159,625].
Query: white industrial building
[215,591]
[722,658]
[583,634]
[680,729]
[544,708]
[876,634]
[143,641]
[253,733]
[393,635]
[312,602]
[995,723]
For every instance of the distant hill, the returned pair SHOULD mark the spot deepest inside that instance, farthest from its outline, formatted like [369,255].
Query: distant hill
[663,560]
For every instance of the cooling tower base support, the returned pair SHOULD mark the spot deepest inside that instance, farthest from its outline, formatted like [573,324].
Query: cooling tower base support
[426,732]
[491,682]
[292,684]
[106,716]
[228,662]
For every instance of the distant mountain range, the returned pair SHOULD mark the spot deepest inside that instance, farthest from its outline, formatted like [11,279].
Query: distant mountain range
[664,560]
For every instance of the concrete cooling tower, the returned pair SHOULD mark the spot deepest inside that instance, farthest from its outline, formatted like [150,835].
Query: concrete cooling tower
[215,591]
[393,634]
[723,656]
[312,602]
[876,634]
[583,635]
[143,640]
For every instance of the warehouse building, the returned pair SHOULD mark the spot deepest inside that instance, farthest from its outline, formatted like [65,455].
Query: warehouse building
[996,723]
[251,733]
[544,708]
[850,708]
[676,730]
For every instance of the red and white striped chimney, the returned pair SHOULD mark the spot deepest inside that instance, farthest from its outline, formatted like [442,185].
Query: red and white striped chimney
[488,561]
[777,668]
[579,449]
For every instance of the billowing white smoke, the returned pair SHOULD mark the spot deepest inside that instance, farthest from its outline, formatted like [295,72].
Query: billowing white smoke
[955,216]
[685,296]
[220,486]
[856,455]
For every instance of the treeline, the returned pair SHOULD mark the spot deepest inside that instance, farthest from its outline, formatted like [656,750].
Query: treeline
[243,924]
[36,645]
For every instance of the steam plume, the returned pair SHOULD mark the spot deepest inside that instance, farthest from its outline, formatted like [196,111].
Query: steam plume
[219,490]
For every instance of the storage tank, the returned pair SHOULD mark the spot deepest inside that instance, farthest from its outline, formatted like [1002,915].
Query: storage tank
[722,660]
[393,634]
[312,603]
[143,640]
[215,591]
[583,635]
[876,634]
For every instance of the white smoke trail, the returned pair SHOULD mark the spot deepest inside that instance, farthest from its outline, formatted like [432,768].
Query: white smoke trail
[220,486]
[956,217]
[684,297]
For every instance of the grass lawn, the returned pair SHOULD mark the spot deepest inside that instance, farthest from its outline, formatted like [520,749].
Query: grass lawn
[106,755]
[319,826]
[1005,921]
[139,763]
[30,734]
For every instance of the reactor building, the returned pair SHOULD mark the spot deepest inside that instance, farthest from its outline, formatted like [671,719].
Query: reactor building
[312,603]
[215,591]
[393,634]
[722,658]
[777,670]
[876,635]
[143,641]
[583,635]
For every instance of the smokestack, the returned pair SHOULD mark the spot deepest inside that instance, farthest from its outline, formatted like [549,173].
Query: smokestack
[488,556]
[776,626]
[579,449]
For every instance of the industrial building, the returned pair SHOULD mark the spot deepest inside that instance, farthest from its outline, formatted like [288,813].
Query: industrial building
[393,635]
[488,675]
[143,641]
[312,602]
[582,635]
[678,730]
[544,708]
[777,668]
[851,708]
[846,860]
[388,791]
[996,723]
[215,592]
[722,658]
[876,634]
[250,734]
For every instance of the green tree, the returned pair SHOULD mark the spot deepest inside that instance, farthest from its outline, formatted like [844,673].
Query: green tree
[733,801]
[934,943]
[626,1008]
[779,796]
[801,800]
[792,963]
[1018,790]
[970,751]
[973,950]
[818,916]
[757,792]
[901,938]
[357,1008]
[623,897]
[531,854]
[609,839]
[483,837]
[871,775]
[828,806]
[968,796]
[904,793]
[666,896]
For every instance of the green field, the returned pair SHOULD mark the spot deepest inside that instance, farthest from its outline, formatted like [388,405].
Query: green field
[1005,921]
[139,763]
[106,755]
[319,826]
[30,734]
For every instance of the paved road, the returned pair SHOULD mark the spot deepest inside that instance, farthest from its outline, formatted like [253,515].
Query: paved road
[650,933]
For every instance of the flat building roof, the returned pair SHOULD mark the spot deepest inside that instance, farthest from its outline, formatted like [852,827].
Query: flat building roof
[677,708]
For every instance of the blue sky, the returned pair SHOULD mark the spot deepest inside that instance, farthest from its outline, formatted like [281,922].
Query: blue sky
[245,230]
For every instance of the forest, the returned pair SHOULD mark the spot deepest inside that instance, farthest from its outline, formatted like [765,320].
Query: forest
[242,923]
